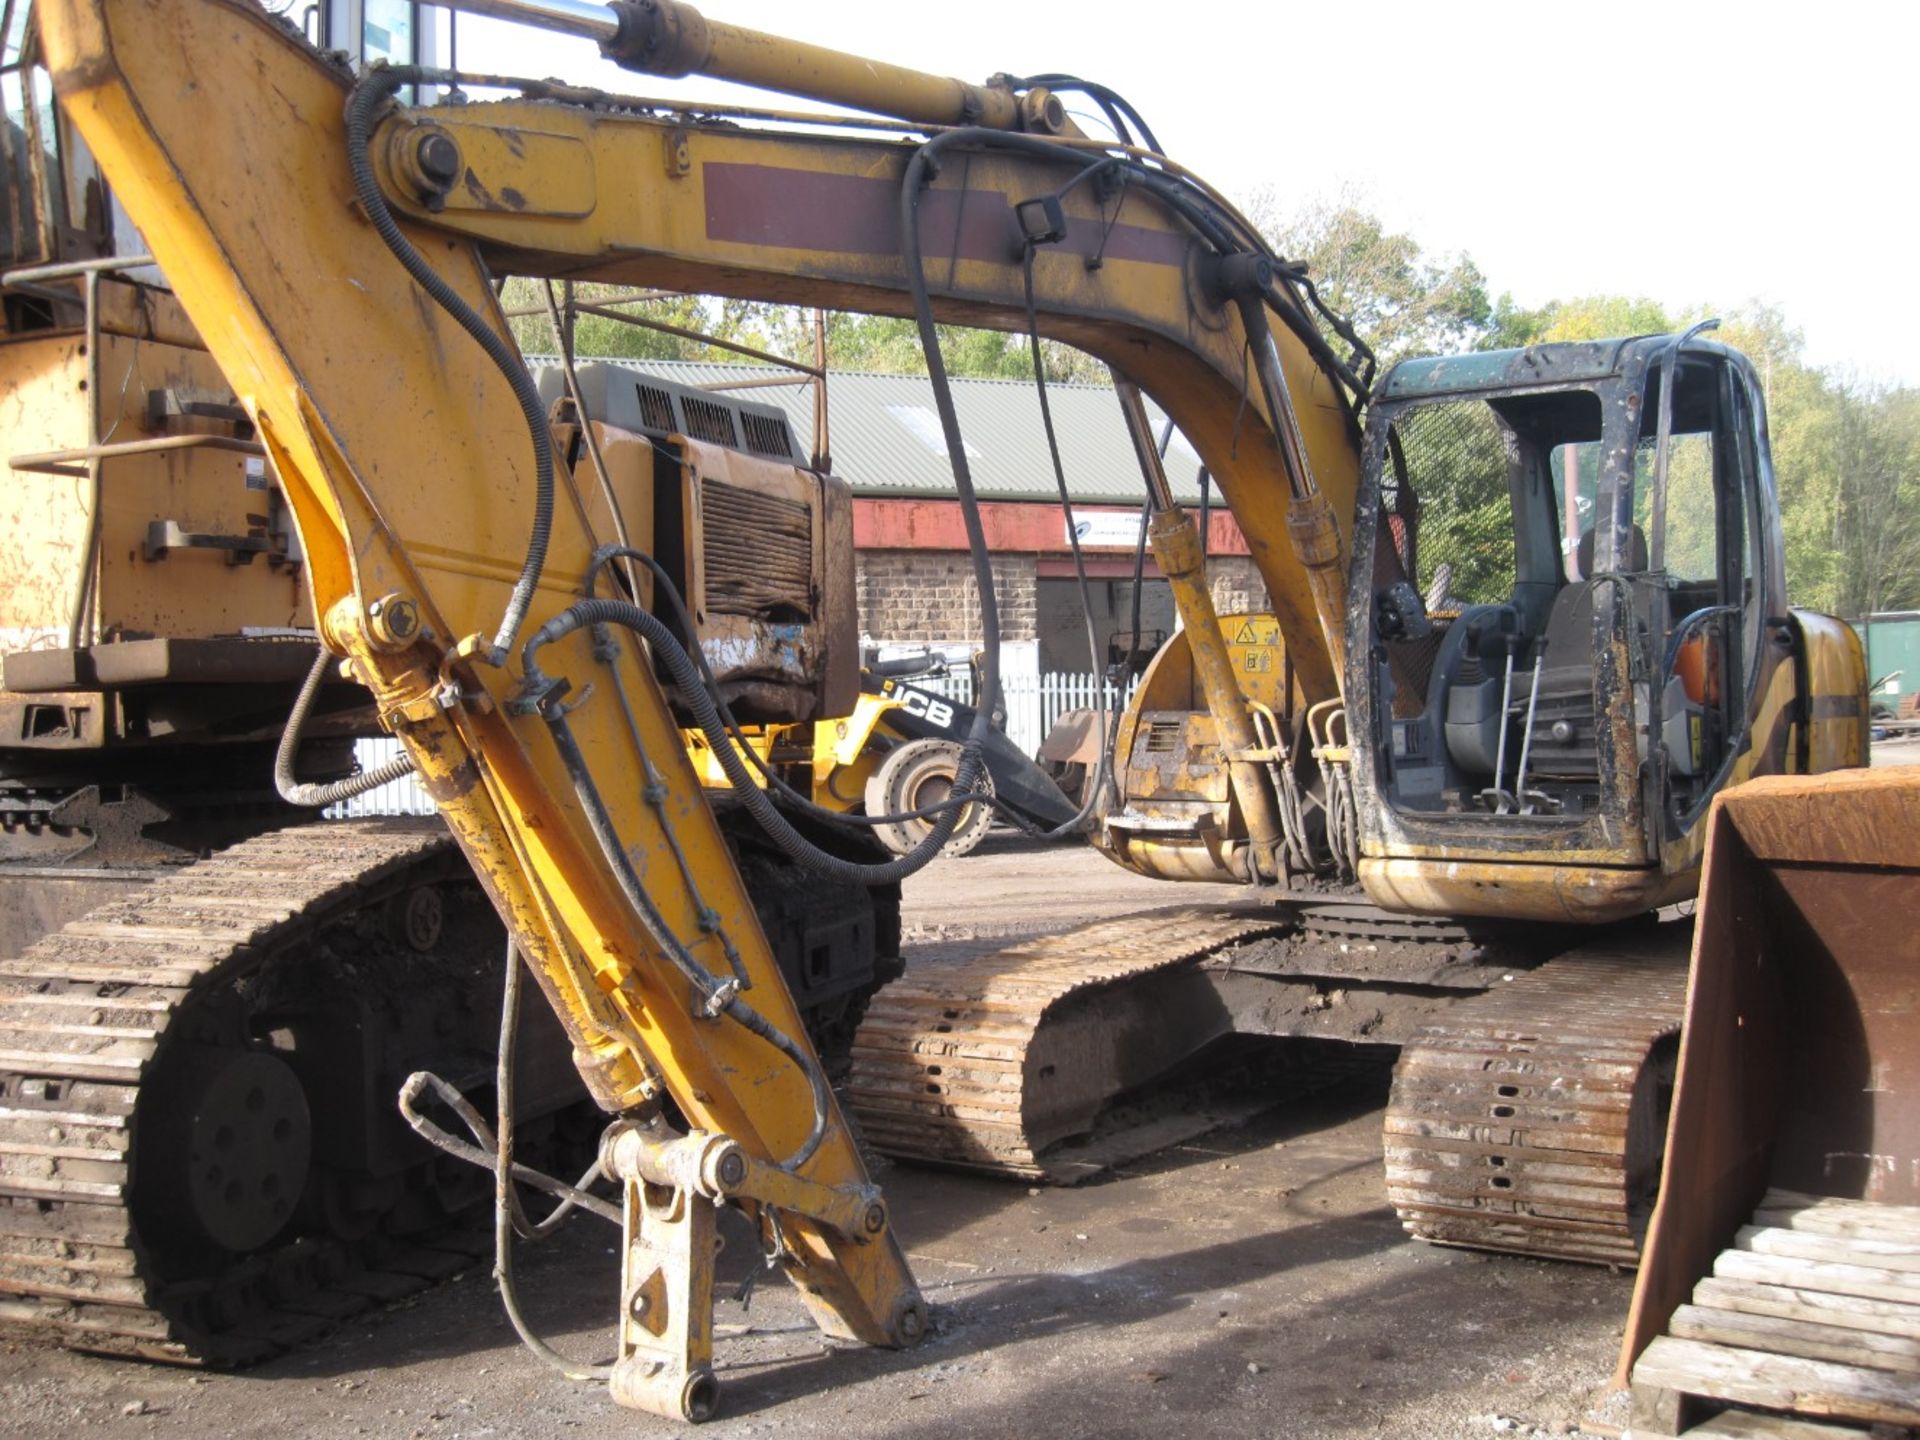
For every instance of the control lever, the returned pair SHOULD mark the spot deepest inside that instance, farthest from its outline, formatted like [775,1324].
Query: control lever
[1526,797]
[1498,796]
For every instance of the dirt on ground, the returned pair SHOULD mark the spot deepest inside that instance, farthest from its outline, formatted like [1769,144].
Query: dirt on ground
[1253,1283]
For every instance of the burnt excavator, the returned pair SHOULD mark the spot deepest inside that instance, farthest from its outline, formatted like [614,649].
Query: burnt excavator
[1473,838]
[1533,744]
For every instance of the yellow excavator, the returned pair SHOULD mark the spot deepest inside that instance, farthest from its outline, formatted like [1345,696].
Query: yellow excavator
[154,634]
[515,593]
[1473,833]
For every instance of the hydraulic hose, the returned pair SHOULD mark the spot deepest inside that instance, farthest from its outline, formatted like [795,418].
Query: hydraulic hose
[507,1214]
[1105,709]
[717,996]
[295,792]
[509,1217]
[374,89]
[481,1149]
[686,676]
[665,588]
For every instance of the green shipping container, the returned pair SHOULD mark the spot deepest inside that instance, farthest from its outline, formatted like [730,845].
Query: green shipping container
[1893,644]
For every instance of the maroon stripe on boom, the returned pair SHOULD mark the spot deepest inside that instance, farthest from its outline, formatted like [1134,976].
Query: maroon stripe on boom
[859,215]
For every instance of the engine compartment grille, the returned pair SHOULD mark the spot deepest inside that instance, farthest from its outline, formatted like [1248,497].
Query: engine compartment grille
[758,551]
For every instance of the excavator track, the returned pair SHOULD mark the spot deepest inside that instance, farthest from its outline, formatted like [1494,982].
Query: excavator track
[1531,1119]
[991,1063]
[109,1029]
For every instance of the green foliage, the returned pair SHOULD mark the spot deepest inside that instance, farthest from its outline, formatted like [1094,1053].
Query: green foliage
[1456,457]
[874,343]
[1590,317]
[1401,300]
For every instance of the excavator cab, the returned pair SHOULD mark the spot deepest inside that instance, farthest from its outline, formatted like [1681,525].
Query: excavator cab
[1578,630]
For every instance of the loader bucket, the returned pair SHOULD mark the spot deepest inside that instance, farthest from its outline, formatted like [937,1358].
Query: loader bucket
[1799,1065]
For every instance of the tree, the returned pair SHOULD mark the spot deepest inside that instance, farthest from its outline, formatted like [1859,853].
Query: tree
[1590,317]
[1401,300]
[1875,535]
[875,343]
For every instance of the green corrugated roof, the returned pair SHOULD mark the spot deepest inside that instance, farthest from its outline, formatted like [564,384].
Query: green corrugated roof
[886,438]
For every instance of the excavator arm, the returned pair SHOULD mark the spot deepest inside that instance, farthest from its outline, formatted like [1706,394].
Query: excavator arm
[404,447]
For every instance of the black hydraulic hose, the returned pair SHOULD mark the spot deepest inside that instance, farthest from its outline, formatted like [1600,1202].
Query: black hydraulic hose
[1105,708]
[374,89]
[1133,620]
[686,676]
[1111,102]
[1205,479]
[717,996]
[663,583]
[1224,232]
[912,186]
[918,176]
[1139,580]
[296,792]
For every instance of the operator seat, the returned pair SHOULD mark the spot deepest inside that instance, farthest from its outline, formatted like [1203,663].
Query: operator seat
[1565,726]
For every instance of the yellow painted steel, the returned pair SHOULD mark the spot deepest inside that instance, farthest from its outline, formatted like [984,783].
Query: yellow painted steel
[839,764]
[402,451]
[1177,549]
[1182,787]
[1836,700]
[812,219]
[1556,891]
[44,518]
[689,43]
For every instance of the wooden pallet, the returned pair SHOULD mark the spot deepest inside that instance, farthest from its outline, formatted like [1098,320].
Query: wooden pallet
[1814,1312]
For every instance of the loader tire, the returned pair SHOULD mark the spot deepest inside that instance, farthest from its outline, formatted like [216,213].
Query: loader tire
[916,775]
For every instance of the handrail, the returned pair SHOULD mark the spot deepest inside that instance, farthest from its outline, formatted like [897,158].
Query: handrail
[67,462]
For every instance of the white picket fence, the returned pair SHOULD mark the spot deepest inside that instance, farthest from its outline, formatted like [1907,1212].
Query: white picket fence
[1034,703]
[405,796]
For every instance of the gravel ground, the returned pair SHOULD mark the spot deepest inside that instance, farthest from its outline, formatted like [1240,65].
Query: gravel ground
[1254,1283]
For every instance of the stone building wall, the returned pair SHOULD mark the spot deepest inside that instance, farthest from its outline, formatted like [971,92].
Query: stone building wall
[1236,585]
[929,595]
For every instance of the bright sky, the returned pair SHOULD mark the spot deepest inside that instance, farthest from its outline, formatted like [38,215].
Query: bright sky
[1690,151]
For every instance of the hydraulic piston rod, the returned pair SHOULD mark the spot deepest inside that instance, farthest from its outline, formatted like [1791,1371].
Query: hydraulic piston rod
[666,37]
[1177,548]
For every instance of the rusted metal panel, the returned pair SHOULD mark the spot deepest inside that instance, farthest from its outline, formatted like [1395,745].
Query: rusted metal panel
[770,583]
[1799,1055]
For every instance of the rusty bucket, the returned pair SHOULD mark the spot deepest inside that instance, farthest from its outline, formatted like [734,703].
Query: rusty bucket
[1799,1065]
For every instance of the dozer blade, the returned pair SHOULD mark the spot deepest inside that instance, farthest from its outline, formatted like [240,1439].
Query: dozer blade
[1002,1062]
[1782,1268]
